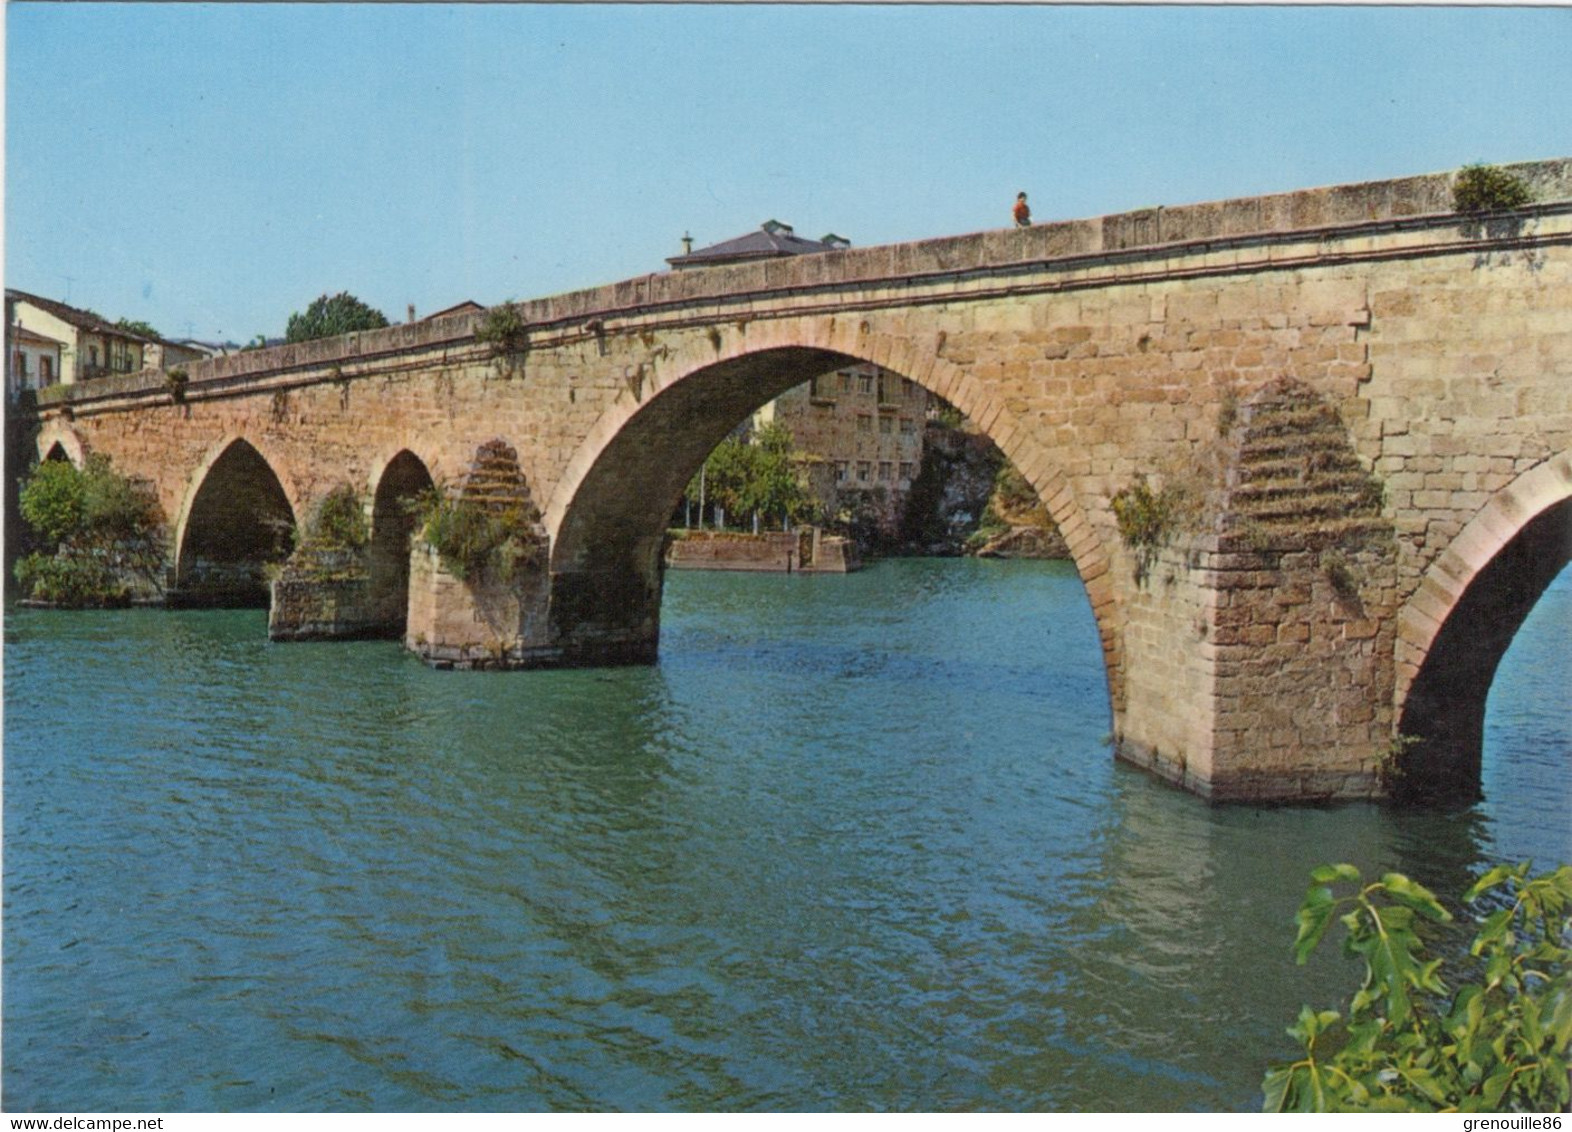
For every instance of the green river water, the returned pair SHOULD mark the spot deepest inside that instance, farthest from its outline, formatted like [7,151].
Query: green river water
[854,843]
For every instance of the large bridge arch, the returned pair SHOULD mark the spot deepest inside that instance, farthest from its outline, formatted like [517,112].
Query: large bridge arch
[1454,630]
[608,514]
[236,517]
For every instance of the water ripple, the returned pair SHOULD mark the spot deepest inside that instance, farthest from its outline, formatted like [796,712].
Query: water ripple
[854,844]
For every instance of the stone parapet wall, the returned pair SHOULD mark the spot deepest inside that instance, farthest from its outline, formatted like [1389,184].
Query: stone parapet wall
[807,551]
[1335,211]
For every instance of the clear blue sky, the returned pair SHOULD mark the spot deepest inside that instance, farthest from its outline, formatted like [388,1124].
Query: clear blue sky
[213,168]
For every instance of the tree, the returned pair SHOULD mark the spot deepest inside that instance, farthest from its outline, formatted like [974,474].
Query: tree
[136,326]
[326,317]
[54,499]
[726,473]
[755,476]
[101,532]
[1409,1043]
[774,486]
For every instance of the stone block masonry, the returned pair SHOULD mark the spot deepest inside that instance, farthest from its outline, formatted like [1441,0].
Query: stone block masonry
[1332,388]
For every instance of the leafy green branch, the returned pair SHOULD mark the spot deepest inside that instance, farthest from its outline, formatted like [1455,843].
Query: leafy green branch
[1409,1042]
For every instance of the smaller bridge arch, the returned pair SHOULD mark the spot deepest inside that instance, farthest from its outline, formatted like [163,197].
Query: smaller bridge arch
[237,517]
[58,441]
[1454,631]
[396,482]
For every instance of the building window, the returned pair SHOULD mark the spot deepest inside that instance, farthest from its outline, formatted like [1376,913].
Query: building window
[46,371]
[906,470]
[884,387]
[885,425]
[845,381]
[841,471]
[908,426]
[865,383]
[907,385]
[864,422]
[885,469]
[863,468]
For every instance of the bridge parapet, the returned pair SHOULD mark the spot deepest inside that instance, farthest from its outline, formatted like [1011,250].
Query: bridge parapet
[1341,212]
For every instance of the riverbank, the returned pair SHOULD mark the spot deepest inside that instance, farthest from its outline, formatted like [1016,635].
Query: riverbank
[807,550]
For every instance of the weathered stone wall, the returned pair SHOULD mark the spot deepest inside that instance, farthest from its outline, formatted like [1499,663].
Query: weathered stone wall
[1094,353]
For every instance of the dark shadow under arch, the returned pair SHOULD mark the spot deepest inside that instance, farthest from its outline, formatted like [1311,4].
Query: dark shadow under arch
[1443,717]
[239,523]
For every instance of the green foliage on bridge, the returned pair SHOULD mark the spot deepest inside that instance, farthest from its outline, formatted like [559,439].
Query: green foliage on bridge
[96,534]
[1485,188]
[472,538]
[328,316]
[1411,1040]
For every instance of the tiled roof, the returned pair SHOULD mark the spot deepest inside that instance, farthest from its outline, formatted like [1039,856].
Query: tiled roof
[82,320]
[466,307]
[772,240]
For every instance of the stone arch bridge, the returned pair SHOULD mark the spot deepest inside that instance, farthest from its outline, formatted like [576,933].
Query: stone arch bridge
[1312,454]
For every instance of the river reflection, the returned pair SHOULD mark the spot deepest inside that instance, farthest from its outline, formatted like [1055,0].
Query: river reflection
[854,843]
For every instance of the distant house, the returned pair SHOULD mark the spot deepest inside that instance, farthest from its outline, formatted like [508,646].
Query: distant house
[198,349]
[86,345]
[773,240]
[468,306]
[33,360]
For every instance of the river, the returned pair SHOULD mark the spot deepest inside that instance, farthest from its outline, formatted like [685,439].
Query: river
[855,843]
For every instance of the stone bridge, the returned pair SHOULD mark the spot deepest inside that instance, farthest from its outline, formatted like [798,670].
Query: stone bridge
[1311,452]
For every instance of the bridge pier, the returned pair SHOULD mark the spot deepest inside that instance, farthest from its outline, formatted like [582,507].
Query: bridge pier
[534,620]
[1258,658]
[1263,675]
[481,622]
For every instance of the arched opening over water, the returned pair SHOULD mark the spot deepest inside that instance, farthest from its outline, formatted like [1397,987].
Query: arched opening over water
[392,522]
[611,510]
[59,441]
[1442,716]
[238,522]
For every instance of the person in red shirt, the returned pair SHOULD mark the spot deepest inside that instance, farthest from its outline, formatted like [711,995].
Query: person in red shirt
[1023,215]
